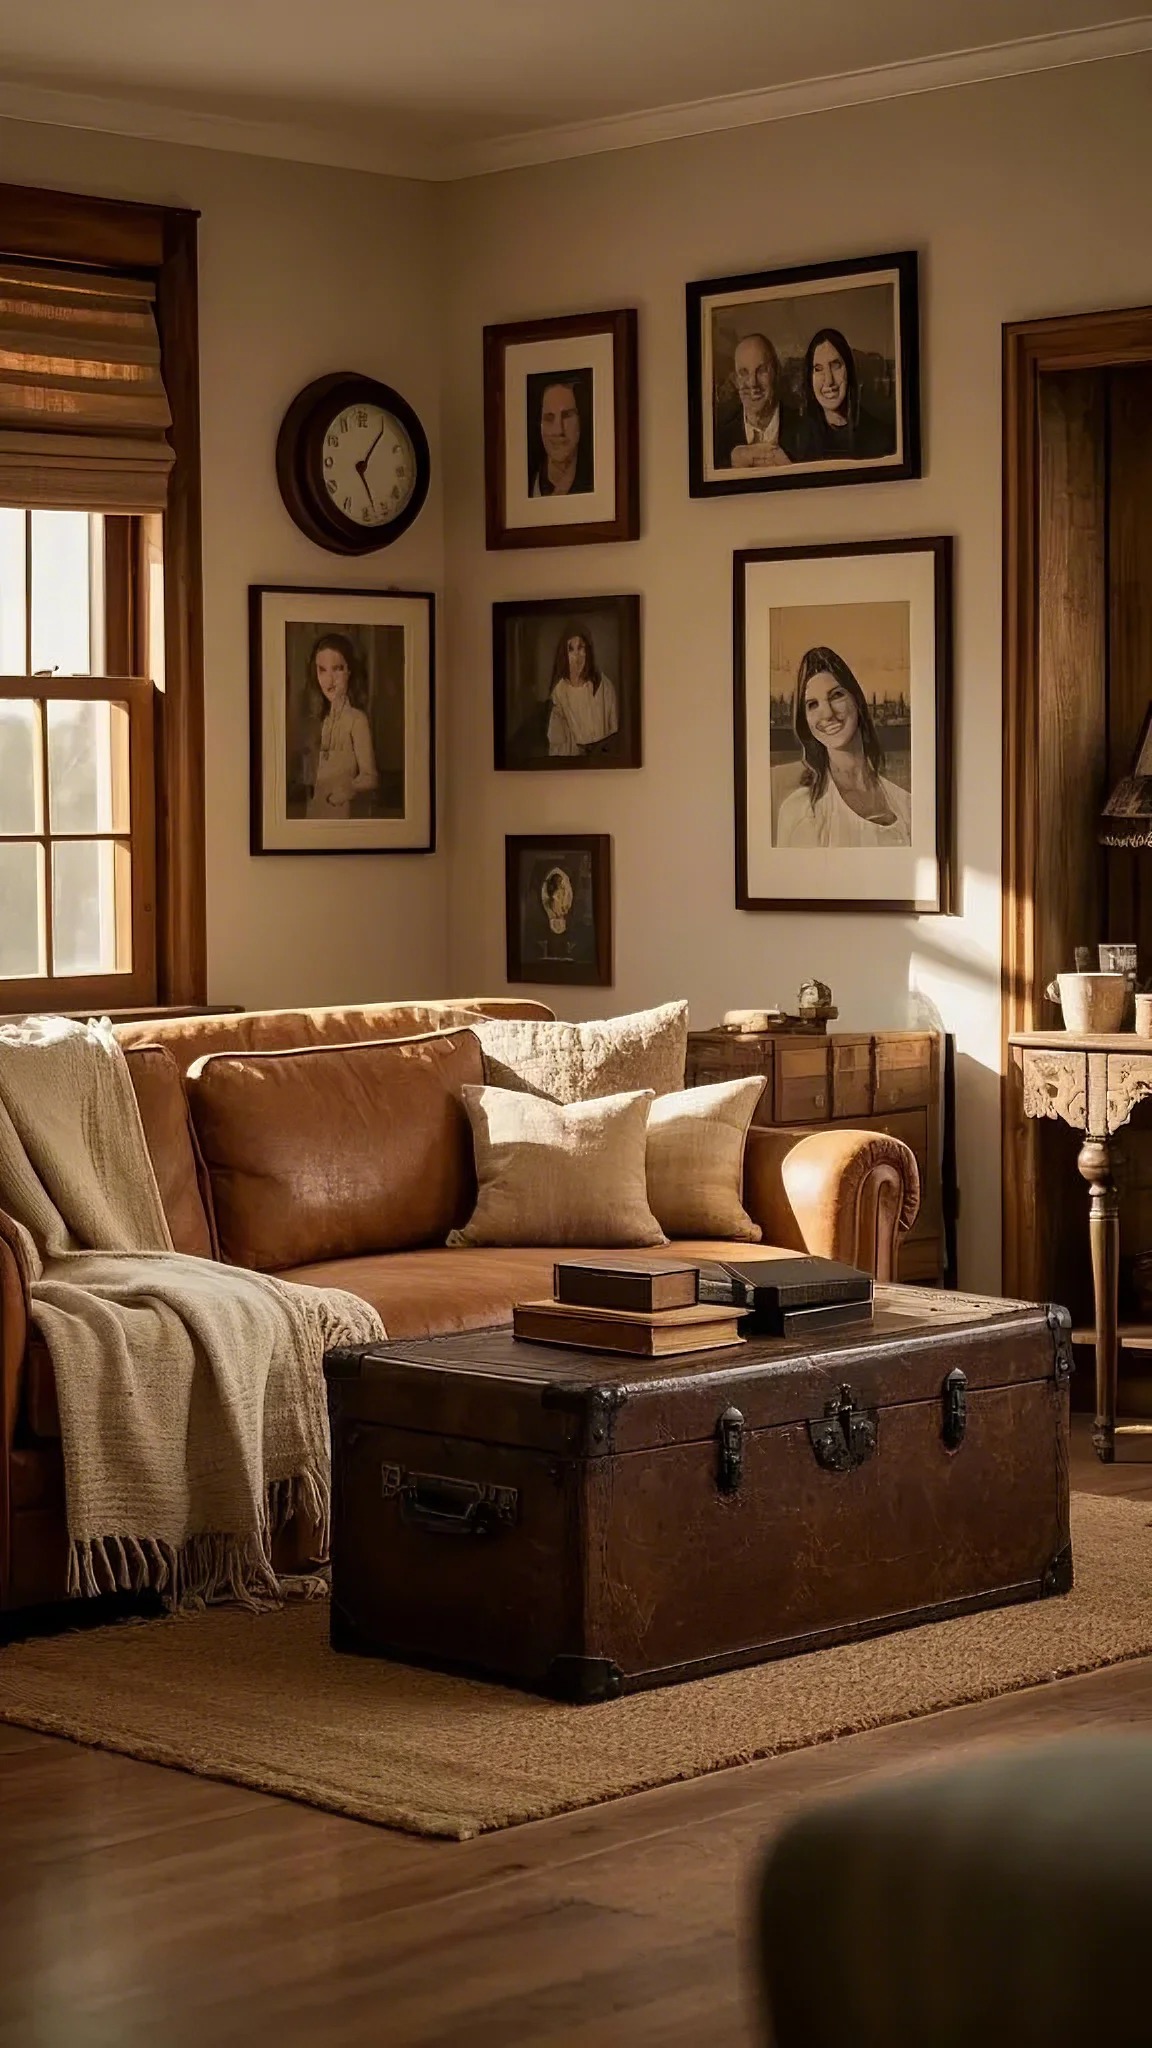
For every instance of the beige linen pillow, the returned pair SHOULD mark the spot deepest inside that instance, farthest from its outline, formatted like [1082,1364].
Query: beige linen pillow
[574,1062]
[559,1173]
[696,1145]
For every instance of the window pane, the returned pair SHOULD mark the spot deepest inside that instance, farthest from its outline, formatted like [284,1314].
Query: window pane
[19,765]
[13,594]
[91,907]
[87,766]
[21,909]
[66,550]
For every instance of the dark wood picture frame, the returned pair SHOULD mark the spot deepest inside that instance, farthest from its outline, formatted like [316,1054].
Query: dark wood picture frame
[940,548]
[805,476]
[330,600]
[555,846]
[623,748]
[621,325]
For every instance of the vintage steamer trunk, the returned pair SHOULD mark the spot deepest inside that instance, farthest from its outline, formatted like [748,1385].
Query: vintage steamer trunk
[586,1526]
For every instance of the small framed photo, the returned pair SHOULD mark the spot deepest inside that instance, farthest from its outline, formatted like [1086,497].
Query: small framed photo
[843,742]
[561,436]
[566,683]
[342,695]
[804,376]
[558,897]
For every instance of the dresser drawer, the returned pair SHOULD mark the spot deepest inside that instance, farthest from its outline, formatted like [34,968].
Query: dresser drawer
[904,1070]
[851,1077]
[803,1084]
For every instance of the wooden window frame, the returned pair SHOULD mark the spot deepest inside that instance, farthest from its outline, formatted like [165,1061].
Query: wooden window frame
[159,243]
[136,908]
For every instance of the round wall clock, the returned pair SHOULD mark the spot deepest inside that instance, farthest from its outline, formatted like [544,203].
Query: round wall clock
[352,463]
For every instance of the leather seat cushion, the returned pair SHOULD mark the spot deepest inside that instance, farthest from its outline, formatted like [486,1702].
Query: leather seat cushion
[436,1292]
[332,1151]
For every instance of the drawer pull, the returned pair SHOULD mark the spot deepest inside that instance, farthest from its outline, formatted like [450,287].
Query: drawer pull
[449,1507]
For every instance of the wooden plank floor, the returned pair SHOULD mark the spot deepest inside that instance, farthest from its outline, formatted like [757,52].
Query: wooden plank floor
[141,1908]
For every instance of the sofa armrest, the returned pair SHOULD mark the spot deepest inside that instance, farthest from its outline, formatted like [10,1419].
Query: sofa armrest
[840,1194]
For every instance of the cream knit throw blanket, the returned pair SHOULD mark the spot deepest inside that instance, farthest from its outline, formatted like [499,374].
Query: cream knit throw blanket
[192,1410]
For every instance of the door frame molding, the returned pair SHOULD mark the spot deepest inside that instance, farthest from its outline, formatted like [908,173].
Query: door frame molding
[1032,349]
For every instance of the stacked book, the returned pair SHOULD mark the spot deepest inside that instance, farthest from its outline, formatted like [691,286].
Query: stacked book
[651,1308]
[646,1308]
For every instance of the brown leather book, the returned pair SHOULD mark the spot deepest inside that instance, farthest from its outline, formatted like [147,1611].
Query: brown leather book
[643,1285]
[660,1333]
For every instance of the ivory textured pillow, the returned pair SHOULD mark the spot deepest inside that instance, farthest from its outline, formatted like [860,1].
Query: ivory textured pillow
[573,1062]
[559,1173]
[696,1145]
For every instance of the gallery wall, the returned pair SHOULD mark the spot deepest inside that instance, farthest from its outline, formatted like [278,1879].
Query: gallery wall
[1023,197]
[302,271]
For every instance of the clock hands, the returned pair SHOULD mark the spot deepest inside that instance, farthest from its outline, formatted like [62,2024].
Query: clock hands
[361,467]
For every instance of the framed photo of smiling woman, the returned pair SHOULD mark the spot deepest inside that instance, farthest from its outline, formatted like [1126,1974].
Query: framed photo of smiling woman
[843,745]
[560,431]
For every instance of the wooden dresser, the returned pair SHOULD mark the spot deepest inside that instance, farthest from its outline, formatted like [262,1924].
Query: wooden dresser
[880,1081]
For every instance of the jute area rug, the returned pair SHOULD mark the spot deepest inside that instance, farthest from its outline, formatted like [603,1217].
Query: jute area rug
[262,1701]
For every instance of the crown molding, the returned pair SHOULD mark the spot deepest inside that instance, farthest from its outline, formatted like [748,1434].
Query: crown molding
[1126,38]
[296,143]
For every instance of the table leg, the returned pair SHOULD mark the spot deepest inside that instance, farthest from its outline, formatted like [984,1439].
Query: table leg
[1095,1164]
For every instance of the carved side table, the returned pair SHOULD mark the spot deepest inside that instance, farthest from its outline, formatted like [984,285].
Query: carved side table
[1092,1082]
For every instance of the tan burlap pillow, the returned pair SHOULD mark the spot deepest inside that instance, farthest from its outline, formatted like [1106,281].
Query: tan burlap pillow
[559,1173]
[574,1062]
[696,1159]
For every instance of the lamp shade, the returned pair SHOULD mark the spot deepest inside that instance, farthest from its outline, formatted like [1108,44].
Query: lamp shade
[1126,819]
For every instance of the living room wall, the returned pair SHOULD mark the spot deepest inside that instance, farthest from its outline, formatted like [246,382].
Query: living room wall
[302,270]
[1024,197]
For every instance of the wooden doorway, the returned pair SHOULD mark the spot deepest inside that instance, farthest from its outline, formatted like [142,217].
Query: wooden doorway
[1077,681]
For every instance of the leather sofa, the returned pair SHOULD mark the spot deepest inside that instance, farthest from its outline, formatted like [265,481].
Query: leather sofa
[332,1147]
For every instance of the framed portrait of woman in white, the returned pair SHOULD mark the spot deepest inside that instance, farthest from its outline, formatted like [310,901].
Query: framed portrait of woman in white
[342,697]
[804,376]
[558,907]
[843,745]
[566,683]
[561,439]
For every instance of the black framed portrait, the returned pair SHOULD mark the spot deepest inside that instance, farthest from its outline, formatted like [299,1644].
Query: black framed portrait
[804,377]
[561,438]
[843,741]
[342,695]
[566,683]
[558,907]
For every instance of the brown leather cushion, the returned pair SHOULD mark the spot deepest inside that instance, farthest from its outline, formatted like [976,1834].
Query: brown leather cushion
[331,1151]
[191,1038]
[163,1108]
[434,1292]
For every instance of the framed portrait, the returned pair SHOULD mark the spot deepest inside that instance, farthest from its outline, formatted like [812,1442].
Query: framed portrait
[804,376]
[566,683]
[342,689]
[558,898]
[843,745]
[561,437]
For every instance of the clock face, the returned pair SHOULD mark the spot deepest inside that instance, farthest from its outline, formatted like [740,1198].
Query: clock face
[369,465]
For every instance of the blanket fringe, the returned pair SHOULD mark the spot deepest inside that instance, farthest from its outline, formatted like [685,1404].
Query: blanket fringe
[210,1569]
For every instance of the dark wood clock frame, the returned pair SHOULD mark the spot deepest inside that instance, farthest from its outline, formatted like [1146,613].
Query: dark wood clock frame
[300,462]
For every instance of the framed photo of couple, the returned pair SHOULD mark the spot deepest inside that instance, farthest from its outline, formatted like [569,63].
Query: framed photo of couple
[805,376]
[561,436]
[843,744]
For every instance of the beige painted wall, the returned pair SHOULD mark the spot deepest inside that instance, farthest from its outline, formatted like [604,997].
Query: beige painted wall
[302,270]
[1024,197]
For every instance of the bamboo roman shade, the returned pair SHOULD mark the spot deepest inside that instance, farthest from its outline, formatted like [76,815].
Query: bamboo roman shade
[83,410]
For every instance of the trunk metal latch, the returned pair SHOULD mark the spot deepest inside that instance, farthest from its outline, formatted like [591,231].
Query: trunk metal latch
[729,1451]
[845,1435]
[955,1409]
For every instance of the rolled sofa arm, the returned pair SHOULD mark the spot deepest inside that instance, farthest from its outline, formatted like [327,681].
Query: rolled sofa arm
[840,1194]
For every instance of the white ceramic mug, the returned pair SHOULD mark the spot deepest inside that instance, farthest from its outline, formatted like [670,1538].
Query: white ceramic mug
[1093,1002]
[1144,1016]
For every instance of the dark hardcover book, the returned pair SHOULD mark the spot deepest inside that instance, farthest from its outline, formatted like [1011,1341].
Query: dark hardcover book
[825,1316]
[641,1285]
[782,1284]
